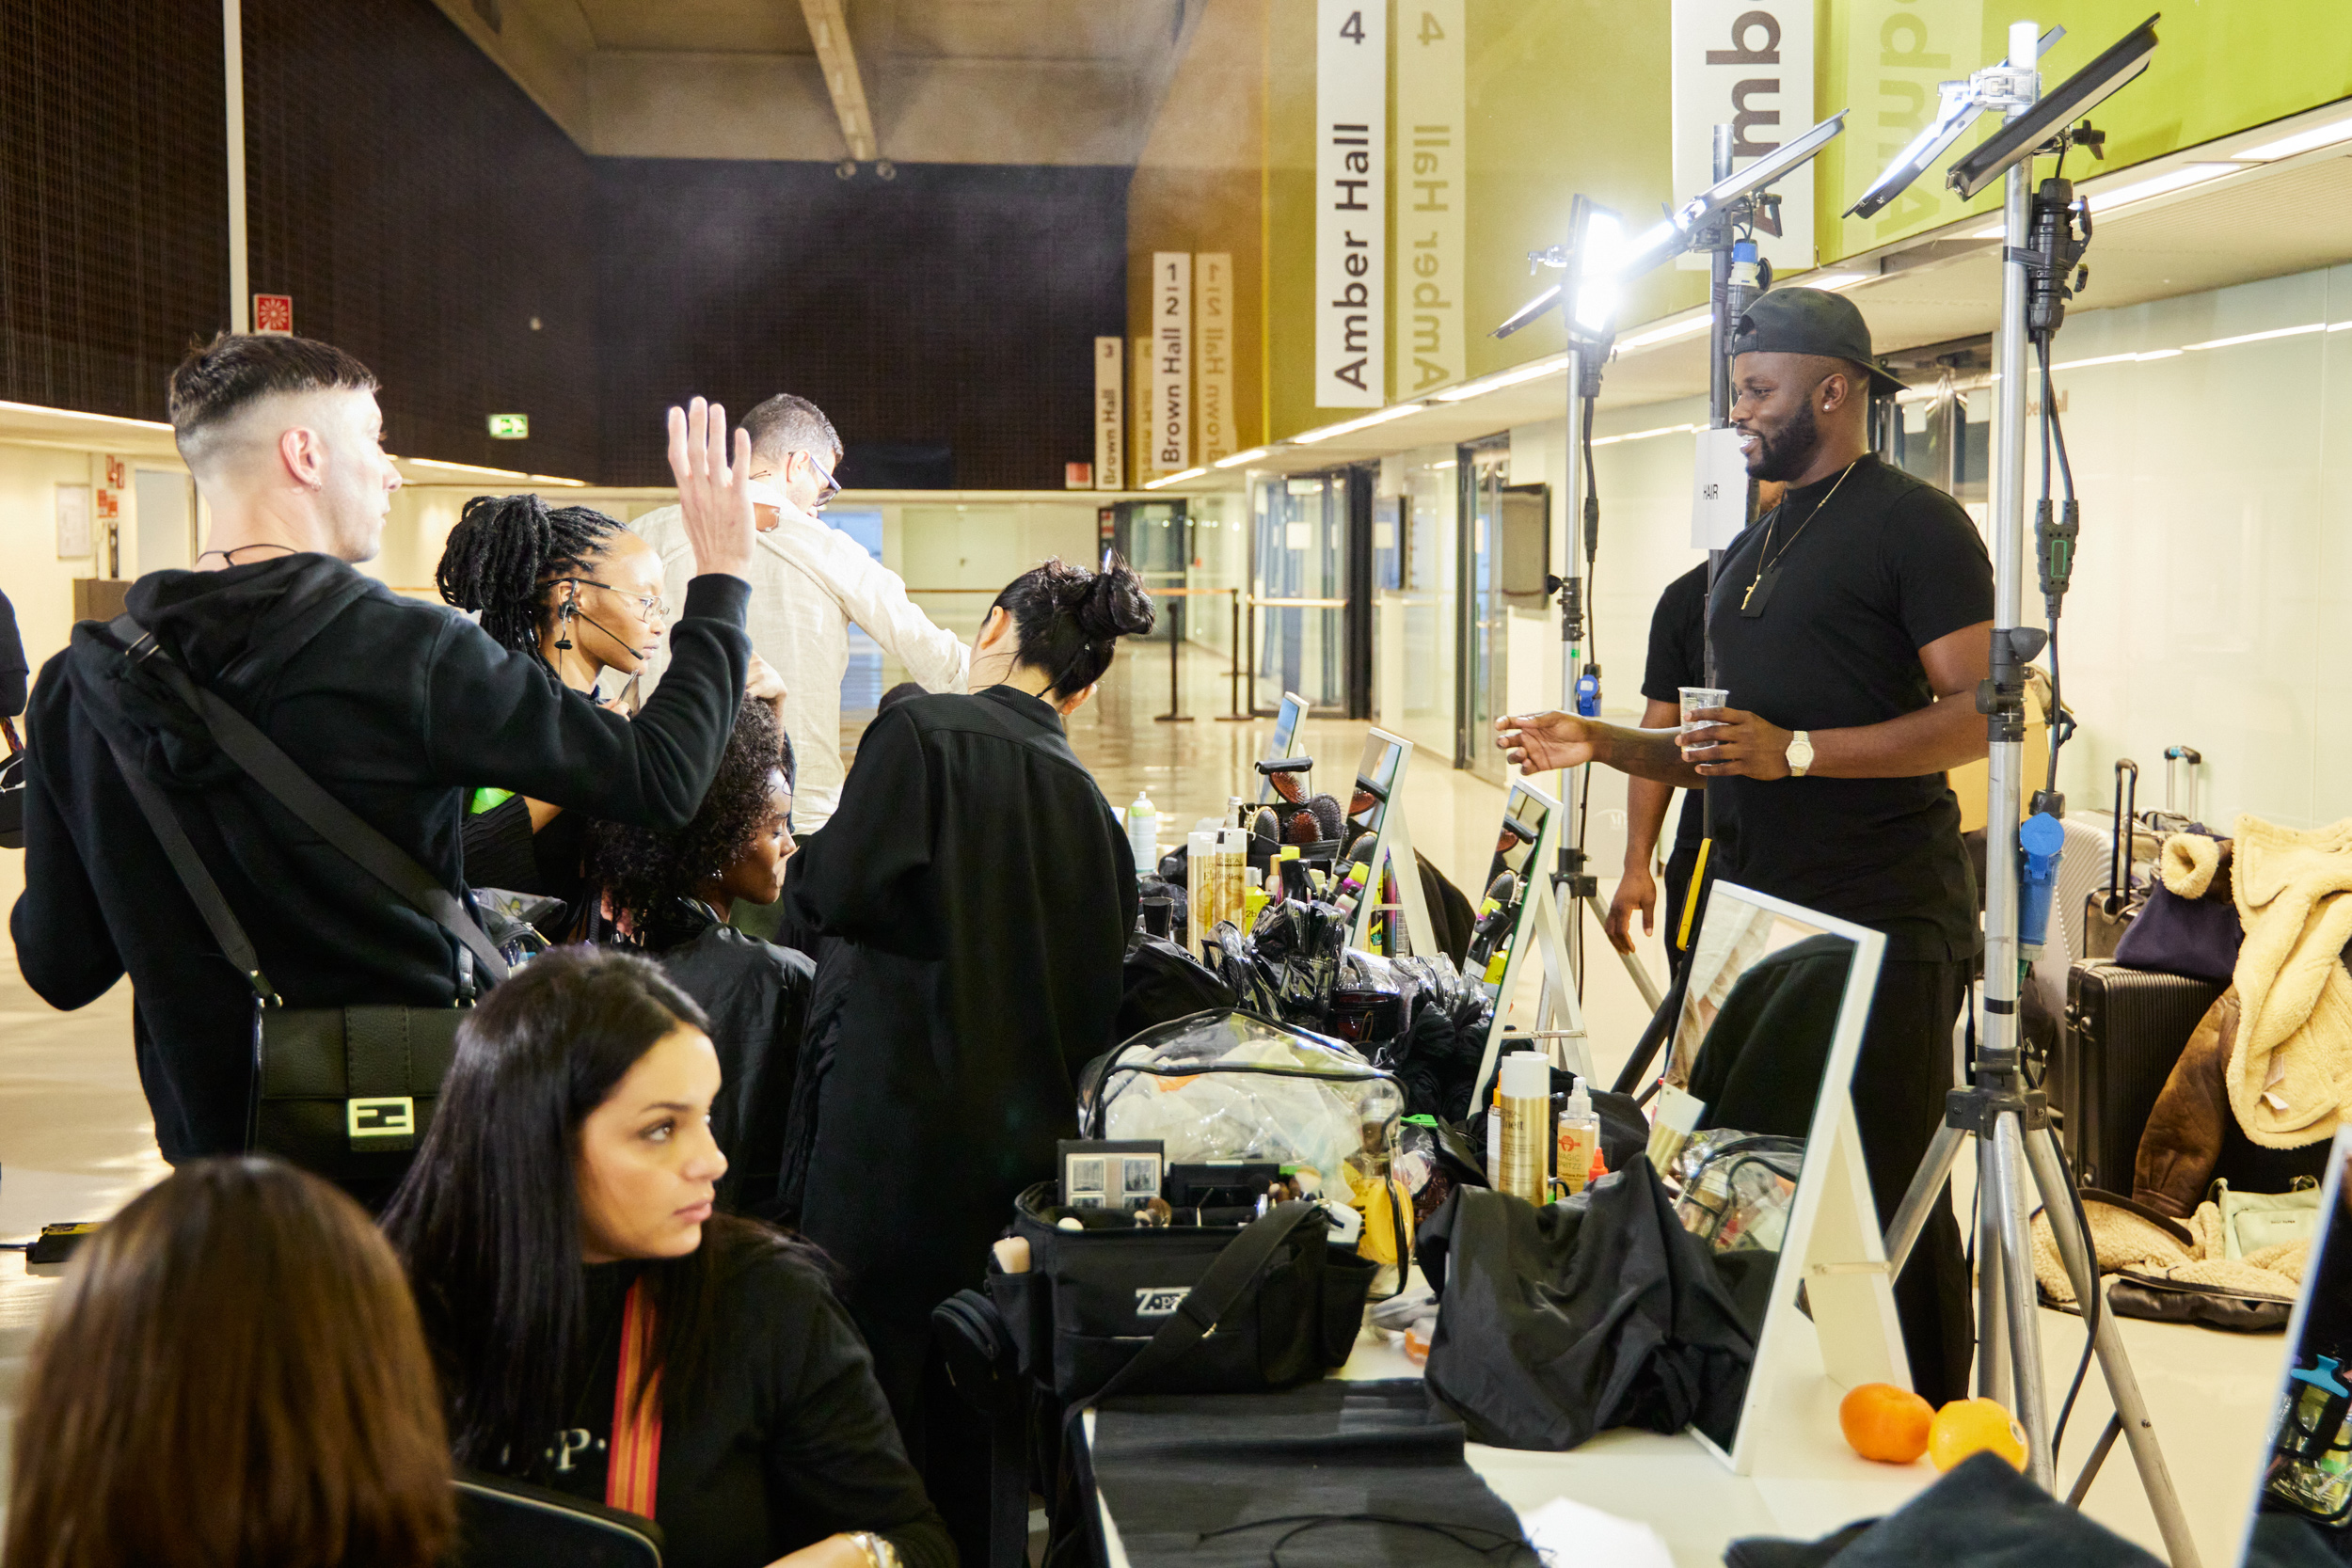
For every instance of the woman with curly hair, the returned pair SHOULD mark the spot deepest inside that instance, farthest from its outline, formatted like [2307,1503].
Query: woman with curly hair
[669,895]
[582,595]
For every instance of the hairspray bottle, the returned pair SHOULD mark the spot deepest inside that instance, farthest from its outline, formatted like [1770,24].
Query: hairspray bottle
[1526,1126]
[1199,877]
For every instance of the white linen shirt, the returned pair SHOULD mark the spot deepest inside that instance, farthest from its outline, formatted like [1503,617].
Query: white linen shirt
[809,584]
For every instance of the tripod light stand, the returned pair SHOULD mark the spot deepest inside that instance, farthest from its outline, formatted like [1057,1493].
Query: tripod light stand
[2007,1115]
[1599,262]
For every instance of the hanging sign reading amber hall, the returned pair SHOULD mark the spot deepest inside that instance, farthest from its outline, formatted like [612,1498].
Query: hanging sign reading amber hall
[510,427]
[1351,204]
[1430,192]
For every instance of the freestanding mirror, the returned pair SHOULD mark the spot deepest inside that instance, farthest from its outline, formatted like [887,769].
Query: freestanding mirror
[1284,744]
[1523,926]
[1772,1179]
[2302,1507]
[1393,874]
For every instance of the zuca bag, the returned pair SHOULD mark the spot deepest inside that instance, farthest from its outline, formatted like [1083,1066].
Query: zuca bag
[345,1092]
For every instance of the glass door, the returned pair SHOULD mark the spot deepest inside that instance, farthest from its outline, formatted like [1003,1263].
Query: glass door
[1417,643]
[1484,617]
[1298,592]
[1155,537]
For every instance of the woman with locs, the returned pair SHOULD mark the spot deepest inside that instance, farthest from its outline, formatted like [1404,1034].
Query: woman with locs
[600,1329]
[582,595]
[975,893]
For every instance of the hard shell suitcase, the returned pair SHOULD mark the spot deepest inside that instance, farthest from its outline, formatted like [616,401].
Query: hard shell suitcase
[2122,1032]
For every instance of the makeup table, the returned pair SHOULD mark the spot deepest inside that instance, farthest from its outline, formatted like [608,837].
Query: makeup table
[1806,1482]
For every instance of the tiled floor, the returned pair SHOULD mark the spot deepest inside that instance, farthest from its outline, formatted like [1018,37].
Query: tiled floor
[76,1140]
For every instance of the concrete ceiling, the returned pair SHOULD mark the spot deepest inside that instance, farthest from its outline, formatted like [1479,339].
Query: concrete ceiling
[945,81]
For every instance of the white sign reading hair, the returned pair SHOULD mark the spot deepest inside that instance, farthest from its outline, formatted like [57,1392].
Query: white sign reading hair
[1351,203]
[1171,360]
[1747,64]
[1110,414]
[1212,349]
[1430,192]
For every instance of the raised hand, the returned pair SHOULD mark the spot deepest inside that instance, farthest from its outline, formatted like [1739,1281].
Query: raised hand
[713,494]
[761,681]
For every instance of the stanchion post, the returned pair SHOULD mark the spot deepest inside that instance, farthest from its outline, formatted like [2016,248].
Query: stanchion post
[1233,677]
[1175,714]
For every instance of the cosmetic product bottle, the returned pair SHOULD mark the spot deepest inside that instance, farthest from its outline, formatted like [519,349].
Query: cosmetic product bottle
[1143,834]
[1232,858]
[1579,1139]
[1199,877]
[1526,1164]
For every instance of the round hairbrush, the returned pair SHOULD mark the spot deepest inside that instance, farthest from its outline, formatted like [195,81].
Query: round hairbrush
[1330,819]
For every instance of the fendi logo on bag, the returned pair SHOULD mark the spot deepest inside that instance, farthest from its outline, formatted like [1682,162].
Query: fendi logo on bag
[380,1119]
[1159,1301]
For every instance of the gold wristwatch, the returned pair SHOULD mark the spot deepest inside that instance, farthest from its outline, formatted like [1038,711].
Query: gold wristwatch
[878,1550]
[1800,753]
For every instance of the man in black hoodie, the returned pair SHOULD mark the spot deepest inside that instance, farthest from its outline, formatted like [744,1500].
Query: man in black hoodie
[394,707]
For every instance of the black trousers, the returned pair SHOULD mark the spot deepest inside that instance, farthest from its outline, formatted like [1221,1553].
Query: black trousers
[1899,1089]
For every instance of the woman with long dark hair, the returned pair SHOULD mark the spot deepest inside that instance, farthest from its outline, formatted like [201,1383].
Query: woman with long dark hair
[573,589]
[671,896]
[600,1329]
[975,893]
[232,1373]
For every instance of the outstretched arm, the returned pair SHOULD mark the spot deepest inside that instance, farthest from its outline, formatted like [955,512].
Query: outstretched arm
[1540,742]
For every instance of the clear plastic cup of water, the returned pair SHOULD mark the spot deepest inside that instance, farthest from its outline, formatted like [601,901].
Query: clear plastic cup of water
[1694,698]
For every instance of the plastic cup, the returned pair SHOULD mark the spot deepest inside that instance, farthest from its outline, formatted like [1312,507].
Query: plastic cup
[1693,699]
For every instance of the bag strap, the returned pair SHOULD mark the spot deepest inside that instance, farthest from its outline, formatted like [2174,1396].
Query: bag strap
[633,1472]
[294,789]
[1232,1271]
[203,890]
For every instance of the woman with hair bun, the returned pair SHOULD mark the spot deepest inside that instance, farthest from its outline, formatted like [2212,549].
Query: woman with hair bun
[976,893]
[582,595]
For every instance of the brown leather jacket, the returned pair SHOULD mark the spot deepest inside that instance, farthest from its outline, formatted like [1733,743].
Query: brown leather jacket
[2187,1124]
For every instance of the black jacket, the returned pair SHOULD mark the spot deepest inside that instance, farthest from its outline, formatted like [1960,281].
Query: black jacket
[756,994]
[976,894]
[790,1443]
[395,707]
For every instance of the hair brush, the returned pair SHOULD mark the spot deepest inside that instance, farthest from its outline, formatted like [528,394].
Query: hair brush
[1329,819]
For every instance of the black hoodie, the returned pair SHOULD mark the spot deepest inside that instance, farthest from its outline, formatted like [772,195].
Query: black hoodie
[396,707]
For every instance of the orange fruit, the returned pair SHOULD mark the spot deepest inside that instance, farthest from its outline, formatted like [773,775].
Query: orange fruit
[1885,1424]
[1966,1426]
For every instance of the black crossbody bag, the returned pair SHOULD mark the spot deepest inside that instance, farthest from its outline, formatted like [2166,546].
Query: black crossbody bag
[345,1092]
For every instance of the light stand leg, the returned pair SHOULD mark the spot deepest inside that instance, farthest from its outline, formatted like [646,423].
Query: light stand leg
[1652,995]
[1926,1191]
[2115,1366]
[2025,1314]
[1993,1364]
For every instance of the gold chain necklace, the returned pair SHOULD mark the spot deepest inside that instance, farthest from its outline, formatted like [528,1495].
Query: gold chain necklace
[1764,557]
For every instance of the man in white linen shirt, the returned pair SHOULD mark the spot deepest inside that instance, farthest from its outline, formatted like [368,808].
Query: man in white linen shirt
[810,583]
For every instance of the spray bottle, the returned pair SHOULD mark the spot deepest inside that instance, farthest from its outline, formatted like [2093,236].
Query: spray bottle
[1579,1140]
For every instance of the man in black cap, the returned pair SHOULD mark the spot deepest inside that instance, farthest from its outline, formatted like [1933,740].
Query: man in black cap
[1851,624]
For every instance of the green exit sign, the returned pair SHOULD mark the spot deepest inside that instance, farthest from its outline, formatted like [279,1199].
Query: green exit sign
[510,427]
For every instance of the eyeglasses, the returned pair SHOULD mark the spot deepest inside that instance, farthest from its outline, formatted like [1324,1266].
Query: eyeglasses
[831,487]
[650,606]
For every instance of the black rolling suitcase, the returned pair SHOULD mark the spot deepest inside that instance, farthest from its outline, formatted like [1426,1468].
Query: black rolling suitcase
[2123,1030]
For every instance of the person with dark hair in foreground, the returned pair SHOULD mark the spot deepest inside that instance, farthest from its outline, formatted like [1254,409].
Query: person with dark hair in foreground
[573,590]
[601,1329]
[233,1373]
[394,707]
[976,891]
[671,896]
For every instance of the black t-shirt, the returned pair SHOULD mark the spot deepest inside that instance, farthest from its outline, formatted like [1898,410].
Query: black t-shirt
[1887,567]
[1677,658]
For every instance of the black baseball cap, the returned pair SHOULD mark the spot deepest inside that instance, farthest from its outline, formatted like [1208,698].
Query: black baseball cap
[1810,320]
